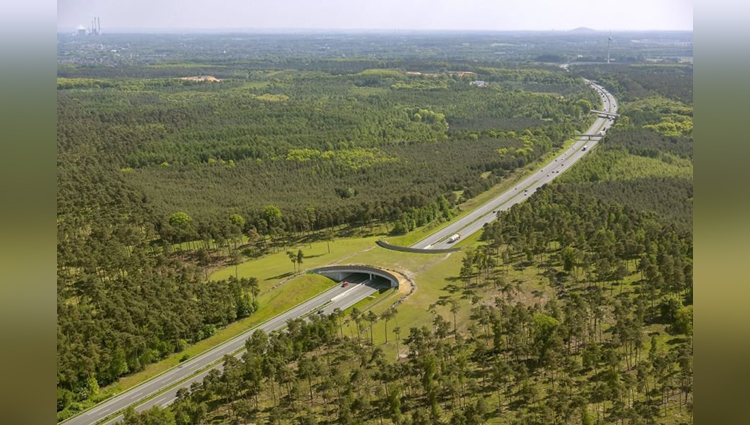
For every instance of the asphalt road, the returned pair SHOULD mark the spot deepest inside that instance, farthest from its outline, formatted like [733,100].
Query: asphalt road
[475,220]
[359,288]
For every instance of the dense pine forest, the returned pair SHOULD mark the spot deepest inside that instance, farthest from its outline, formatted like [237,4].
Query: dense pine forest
[382,141]
[162,178]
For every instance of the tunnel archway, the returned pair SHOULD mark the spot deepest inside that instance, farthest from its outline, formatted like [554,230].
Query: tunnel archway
[341,272]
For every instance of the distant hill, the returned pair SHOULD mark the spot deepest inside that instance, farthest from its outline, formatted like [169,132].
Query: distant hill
[583,30]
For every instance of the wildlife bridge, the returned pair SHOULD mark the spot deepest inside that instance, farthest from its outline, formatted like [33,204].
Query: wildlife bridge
[341,272]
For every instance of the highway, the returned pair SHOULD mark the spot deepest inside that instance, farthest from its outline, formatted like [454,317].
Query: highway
[360,287]
[475,220]
[163,388]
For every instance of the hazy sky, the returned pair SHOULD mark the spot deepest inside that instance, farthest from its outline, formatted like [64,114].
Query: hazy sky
[500,15]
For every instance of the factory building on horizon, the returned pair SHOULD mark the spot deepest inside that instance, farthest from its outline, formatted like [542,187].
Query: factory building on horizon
[94,29]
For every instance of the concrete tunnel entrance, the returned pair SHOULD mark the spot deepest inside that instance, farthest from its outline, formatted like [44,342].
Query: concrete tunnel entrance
[341,272]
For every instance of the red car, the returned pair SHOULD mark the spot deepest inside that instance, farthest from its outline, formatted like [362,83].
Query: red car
[345,284]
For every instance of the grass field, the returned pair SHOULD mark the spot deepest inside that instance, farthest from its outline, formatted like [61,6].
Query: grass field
[272,268]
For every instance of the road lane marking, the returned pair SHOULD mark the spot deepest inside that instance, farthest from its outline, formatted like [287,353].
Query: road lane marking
[574,153]
[116,419]
[168,402]
[343,294]
[161,379]
[135,394]
[95,410]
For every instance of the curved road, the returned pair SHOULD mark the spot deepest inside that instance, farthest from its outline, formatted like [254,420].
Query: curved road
[475,220]
[163,388]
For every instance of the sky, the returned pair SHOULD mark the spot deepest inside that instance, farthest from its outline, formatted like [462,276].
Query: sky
[492,15]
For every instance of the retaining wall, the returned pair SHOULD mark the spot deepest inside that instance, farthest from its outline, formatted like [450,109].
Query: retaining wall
[386,245]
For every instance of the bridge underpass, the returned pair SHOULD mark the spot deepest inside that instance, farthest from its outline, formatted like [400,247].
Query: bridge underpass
[589,136]
[604,114]
[357,283]
[340,273]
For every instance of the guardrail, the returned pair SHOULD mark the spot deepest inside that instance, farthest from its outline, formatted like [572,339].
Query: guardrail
[386,245]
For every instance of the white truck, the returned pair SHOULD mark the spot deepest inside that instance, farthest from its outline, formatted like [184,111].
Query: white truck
[454,238]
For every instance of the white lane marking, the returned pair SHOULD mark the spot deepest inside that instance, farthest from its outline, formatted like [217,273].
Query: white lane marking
[168,402]
[116,419]
[161,379]
[362,287]
[96,410]
[504,205]
[341,295]
[135,394]
[347,304]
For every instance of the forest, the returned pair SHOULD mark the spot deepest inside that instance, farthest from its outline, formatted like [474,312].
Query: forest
[161,179]
[330,133]
[613,345]
[234,168]
[611,240]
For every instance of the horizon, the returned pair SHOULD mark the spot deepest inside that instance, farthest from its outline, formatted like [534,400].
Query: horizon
[302,30]
[386,15]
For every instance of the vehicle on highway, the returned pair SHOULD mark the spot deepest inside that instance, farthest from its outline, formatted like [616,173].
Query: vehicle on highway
[454,238]
[601,132]
[345,284]
[320,312]
[584,148]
